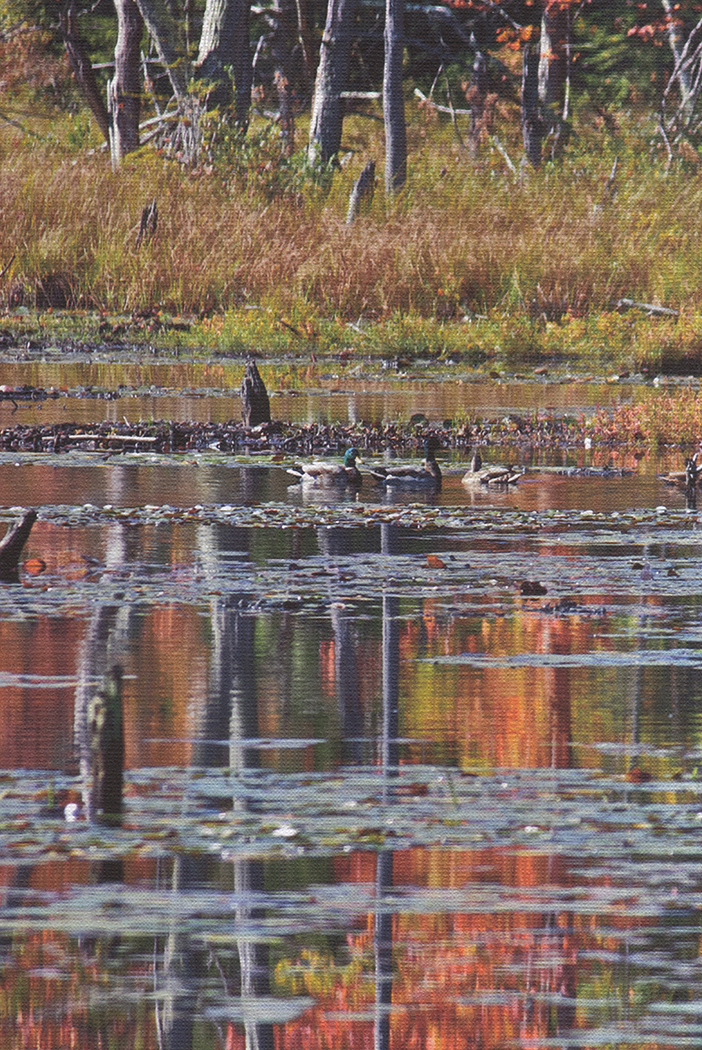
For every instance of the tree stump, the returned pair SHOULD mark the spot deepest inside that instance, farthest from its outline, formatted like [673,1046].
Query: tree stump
[147,224]
[362,193]
[11,547]
[255,406]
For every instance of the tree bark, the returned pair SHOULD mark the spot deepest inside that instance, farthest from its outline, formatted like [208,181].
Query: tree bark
[255,404]
[393,99]
[476,95]
[532,124]
[82,67]
[163,30]
[285,16]
[331,80]
[224,42]
[553,58]
[362,193]
[677,46]
[124,91]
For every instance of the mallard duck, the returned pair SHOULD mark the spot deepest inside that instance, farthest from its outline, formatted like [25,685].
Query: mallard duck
[428,475]
[689,477]
[323,474]
[480,475]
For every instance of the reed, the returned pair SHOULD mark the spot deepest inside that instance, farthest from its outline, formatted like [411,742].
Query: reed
[542,256]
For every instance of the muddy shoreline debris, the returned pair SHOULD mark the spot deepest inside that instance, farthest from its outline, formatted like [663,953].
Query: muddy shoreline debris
[298,439]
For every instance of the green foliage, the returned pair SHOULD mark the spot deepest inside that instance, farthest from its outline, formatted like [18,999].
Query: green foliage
[256,163]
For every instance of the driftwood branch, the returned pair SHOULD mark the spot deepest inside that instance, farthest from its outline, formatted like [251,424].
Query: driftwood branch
[11,547]
[649,308]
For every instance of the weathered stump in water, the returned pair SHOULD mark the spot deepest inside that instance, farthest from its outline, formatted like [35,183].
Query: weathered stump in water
[11,547]
[106,737]
[255,406]
[362,193]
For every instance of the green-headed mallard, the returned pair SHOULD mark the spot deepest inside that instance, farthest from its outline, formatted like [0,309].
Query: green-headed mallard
[322,474]
[480,475]
[426,476]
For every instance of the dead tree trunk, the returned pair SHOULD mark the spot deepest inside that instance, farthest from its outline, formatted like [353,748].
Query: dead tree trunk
[164,31]
[124,91]
[393,99]
[11,547]
[532,124]
[82,66]
[476,96]
[362,193]
[554,73]
[224,45]
[284,29]
[331,80]
[255,405]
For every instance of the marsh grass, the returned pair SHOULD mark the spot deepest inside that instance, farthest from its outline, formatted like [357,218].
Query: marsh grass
[469,261]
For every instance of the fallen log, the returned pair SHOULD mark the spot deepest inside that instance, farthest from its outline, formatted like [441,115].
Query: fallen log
[11,547]
[649,308]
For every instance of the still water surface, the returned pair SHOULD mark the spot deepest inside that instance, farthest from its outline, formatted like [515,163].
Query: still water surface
[375,795]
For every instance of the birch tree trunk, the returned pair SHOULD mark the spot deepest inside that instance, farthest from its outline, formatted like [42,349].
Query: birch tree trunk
[393,100]
[224,42]
[553,58]
[123,93]
[677,46]
[331,80]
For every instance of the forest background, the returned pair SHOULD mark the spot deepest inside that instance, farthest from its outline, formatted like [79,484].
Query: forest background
[187,170]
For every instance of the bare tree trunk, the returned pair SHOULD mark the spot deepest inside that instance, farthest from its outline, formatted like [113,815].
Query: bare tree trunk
[82,66]
[285,16]
[331,80]
[554,73]
[532,124]
[476,95]
[553,57]
[677,46]
[123,93]
[393,100]
[163,30]
[224,42]
[303,36]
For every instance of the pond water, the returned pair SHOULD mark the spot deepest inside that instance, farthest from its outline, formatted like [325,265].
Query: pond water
[377,792]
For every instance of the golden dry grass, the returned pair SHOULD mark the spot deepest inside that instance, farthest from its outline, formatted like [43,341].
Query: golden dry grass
[461,237]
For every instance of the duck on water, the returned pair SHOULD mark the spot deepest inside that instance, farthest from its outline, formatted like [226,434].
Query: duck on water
[324,474]
[425,476]
[480,475]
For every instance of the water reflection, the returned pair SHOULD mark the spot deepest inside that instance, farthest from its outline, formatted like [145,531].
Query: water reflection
[371,798]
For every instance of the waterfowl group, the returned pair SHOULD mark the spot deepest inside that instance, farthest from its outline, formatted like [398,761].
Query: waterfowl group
[480,475]
[323,474]
[426,476]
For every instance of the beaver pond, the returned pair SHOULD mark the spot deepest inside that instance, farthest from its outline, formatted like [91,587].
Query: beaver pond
[400,770]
